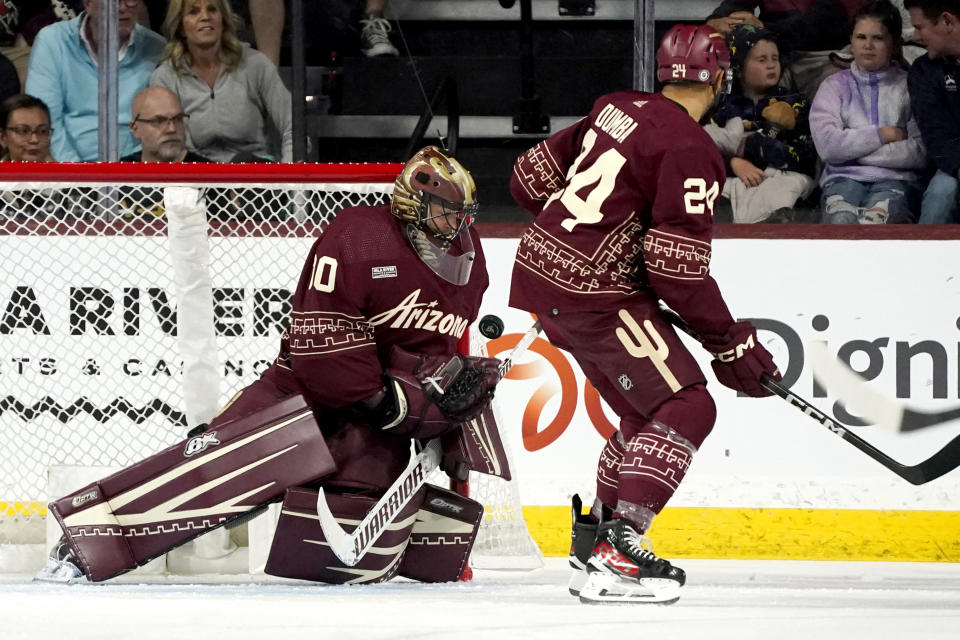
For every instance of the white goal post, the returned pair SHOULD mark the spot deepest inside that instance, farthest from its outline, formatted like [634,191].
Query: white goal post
[135,299]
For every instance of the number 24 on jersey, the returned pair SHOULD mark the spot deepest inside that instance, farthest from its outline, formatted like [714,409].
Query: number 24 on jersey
[602,174]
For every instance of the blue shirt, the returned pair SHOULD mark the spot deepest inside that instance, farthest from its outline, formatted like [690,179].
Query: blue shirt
[64,76]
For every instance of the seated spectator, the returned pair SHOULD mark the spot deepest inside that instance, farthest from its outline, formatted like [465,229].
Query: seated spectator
[761,128]
[864,130]
[230,90]
[935,100]
[9,81]
[158,124]
[809,32]
[19,24]
[25,136]
[375,32]
[63,73]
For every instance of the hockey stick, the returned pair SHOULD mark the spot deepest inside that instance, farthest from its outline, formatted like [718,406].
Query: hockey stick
[351,547]
[943,461]
[874,406]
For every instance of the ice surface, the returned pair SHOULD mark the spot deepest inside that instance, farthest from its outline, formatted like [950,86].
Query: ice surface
[723,599]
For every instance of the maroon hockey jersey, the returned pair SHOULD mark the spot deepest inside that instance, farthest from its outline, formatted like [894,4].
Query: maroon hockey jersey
[362,290]
[623,201]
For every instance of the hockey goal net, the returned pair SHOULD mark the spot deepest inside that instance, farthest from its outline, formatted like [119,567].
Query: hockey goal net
[110,277]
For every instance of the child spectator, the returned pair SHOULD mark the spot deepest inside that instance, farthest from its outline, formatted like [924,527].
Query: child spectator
[25,135]
[809,32]
[761,128]
[864,130]
[231,91]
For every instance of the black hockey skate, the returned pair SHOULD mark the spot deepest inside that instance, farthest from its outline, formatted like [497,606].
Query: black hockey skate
[62,565]
[622,568]
[583,536]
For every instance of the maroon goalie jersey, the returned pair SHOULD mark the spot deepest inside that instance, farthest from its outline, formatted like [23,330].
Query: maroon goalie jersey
[623,201]
[362,290]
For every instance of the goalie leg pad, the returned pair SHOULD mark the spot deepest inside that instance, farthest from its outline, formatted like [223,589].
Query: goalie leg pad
[443,536]
[238,464]
[299,548]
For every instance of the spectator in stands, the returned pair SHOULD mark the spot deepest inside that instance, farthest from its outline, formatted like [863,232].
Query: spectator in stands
[231,91]
[762,130]
[9,81]
[25,136]
[934,96]
[808,31]
[864,130]
[158,124]
[375,32]
[19,24]
[63,73]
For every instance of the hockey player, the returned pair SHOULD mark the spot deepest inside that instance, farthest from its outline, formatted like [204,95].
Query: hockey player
[623,202]
[383,298]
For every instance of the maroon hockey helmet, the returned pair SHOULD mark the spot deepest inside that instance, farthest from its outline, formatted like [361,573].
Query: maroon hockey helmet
[693,53]
[431,177]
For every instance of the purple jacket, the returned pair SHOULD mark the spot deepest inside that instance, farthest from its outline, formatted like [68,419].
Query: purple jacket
[845,120]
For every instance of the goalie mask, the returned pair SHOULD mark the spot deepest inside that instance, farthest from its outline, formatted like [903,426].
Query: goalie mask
[437,199]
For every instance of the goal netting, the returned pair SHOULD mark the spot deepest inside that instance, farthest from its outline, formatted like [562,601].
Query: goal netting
[105,350]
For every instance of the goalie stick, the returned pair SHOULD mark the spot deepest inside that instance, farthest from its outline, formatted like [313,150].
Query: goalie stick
[351,547]
[943,461]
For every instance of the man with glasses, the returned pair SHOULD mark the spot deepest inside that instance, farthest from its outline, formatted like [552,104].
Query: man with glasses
[158,124]
[63,73]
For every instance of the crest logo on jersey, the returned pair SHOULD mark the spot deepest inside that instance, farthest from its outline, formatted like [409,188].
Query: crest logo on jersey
[640,103]
[949,82]
[383,272]
[625,382]
[200,443]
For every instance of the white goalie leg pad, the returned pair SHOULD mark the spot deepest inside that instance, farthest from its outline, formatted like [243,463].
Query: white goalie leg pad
[604,587]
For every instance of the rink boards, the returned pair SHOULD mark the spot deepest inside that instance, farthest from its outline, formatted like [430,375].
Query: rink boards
[768,482]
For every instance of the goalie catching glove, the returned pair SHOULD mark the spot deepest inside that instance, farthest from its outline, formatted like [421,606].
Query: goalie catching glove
[430,394]
[740,360]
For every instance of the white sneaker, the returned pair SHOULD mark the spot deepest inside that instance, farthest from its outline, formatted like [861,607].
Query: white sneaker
[375,39]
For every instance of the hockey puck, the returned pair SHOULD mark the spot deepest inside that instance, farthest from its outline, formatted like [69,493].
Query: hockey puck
[491,326]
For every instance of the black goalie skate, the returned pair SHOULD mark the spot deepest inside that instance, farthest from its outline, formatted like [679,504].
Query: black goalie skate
[583,536]
[623,569]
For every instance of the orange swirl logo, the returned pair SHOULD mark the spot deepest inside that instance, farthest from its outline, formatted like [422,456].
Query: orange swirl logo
[561,380]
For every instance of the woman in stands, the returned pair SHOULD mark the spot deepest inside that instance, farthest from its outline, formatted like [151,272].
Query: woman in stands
[864,129]
[25,136]
[232,94]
